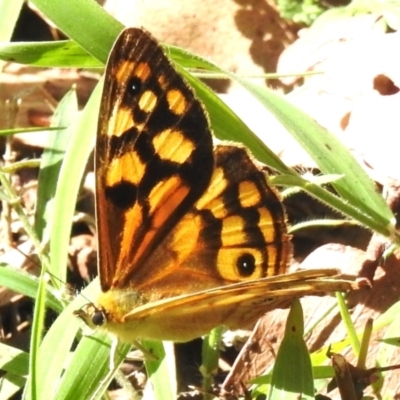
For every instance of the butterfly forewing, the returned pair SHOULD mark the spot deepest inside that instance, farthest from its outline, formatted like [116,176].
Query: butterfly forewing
[153,155]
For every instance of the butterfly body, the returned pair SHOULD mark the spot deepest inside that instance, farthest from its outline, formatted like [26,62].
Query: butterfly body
[191,236]
[163,320]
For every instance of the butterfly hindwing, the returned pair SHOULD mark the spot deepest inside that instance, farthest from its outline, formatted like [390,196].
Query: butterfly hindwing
[244,232]
[236,231]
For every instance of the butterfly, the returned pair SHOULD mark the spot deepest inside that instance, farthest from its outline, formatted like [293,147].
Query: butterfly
[190,234]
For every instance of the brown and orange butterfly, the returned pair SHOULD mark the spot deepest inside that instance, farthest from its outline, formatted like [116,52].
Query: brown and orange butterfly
[190,234]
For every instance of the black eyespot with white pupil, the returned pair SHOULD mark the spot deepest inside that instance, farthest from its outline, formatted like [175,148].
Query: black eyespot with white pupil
[246,265]
[134,86]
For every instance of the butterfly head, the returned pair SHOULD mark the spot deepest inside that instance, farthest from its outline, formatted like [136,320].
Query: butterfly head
[92,316]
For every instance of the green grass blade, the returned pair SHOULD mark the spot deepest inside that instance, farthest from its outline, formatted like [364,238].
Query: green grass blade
[13,131]
[209,357]
[54,351]
[60,54]
[33,387]
[51,161]
[10,384]
[88,373]
[55,348]
[13,360]
[70,176]
[346,318]
[9,13]
[85,22]
[27,284]
[161,371]
[292,375]
[386,350]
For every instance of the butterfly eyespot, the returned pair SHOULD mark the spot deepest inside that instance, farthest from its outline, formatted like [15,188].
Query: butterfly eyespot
[134,86]
[99,318]
[246,264]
